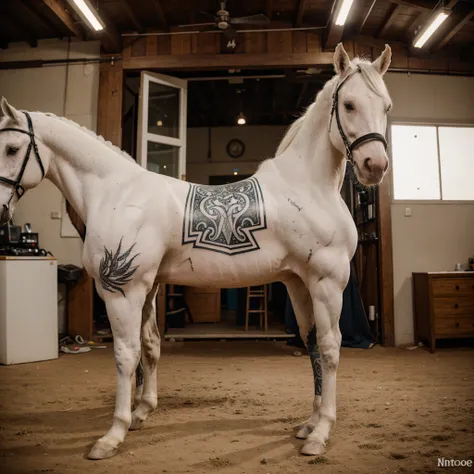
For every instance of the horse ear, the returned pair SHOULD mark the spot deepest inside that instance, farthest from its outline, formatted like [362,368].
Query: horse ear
[383,61]
[341,60]
[9,111]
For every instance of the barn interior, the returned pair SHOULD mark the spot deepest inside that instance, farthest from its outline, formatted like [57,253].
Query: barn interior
[203,91]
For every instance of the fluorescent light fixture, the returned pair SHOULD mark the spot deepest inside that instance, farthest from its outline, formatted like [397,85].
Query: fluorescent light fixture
[438,19]
[89,14]
[343,12]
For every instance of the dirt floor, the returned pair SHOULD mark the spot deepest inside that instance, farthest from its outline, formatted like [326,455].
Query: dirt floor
[233,407]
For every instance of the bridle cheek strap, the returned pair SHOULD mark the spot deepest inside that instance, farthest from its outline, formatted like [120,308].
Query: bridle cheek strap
[358,141]
[16,184]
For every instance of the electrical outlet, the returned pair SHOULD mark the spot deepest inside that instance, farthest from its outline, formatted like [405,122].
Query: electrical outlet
[407,211]
[55,215]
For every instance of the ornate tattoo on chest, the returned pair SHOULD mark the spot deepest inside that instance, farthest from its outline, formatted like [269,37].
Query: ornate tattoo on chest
[224,218]
[116,269]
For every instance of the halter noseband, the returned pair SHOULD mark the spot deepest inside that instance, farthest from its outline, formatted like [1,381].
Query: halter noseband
[16,184]
[358,141]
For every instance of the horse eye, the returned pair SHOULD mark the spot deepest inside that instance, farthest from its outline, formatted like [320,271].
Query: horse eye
[12,150]
[349,106]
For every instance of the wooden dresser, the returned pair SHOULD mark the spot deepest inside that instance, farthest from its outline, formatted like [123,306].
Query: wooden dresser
[443,306]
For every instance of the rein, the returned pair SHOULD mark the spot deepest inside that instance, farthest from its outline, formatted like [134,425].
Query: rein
[16,184]
[358,141]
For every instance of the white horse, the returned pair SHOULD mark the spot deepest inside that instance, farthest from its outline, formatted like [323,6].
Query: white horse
[286,223]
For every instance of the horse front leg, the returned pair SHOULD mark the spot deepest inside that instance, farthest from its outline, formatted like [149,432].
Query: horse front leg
[326,294]
[146,399]
[125,314]
[303,307]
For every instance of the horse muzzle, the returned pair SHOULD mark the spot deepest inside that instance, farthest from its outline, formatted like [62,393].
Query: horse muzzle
[371,170]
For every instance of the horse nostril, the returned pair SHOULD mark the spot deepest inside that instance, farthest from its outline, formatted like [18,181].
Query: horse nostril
[368,164]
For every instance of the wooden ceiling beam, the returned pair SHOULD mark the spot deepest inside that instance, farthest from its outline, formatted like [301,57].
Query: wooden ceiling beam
[109,37]
[333,34]
[421,5]
[388,21]
[128,8]
[225,61]
[160,13]
[365,16]
[58,7]
[454,29]
[35,10]
[417,21]
[300,13]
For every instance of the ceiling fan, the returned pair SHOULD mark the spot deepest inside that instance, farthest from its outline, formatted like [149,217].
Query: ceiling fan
[223,22]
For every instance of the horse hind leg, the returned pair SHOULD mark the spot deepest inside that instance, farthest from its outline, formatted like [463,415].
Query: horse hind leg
[146,399]
[303,308]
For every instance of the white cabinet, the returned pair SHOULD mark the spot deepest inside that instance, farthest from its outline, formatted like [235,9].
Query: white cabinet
[28,309]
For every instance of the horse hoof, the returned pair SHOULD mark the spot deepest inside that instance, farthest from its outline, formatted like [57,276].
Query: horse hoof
[312,448]
[136,424]
[304,431]
[101,450]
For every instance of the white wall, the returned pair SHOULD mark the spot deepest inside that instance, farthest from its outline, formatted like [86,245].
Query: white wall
[260,143]
[65,91]
[437,235]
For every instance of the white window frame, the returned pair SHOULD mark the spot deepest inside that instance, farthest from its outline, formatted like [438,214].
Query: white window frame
[426,123]
[144,136]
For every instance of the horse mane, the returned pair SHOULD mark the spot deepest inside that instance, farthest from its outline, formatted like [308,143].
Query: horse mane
[372,78]
[89,132]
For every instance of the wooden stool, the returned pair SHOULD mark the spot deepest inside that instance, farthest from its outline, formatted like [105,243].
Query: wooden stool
[261,293]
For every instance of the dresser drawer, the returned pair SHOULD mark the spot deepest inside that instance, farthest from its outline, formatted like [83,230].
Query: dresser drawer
[463,325]
[449,306]
[452,286]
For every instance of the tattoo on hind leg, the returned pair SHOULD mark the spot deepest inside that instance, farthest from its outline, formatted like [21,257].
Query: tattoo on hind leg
[139,374]
[315,357]
[116,269]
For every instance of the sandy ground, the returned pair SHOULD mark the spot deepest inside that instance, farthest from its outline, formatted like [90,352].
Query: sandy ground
[233,408]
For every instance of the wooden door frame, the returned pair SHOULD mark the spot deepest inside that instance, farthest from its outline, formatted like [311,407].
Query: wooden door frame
[109,125]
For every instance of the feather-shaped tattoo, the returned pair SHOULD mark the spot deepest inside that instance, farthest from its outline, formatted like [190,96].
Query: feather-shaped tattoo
[116,270]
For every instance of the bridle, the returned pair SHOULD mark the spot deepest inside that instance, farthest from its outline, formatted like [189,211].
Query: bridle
[358,141]
[16,184]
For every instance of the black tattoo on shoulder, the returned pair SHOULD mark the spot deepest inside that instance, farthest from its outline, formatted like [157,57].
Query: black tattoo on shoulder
[224,218]
[116,270]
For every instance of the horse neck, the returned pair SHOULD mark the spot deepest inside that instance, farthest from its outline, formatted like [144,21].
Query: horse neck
[81,163]
[311,160]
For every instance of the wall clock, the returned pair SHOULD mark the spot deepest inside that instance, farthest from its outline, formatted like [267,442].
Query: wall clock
[235,148]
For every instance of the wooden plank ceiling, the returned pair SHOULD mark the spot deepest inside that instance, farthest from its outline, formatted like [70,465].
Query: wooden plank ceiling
[370,24]
[394,21]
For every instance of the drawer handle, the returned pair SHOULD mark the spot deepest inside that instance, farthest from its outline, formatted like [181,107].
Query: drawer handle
[457,325]
[457,287]
[456,305]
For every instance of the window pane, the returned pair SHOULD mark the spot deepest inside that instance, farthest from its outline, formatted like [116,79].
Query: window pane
[163,110]
[456,145]
[163,159]
[415,162]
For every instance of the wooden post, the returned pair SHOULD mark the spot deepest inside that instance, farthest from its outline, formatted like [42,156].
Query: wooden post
[386,262]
